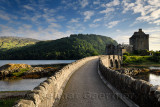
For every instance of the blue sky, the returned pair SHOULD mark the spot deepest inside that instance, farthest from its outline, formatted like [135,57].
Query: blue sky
[53,19]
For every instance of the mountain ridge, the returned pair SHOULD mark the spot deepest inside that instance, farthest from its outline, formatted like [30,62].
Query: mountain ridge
[74,47]
[8,42]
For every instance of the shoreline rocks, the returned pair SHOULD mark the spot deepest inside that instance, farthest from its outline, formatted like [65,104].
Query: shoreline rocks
[13,71]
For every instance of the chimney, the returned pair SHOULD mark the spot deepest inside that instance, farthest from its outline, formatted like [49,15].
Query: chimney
[140,30]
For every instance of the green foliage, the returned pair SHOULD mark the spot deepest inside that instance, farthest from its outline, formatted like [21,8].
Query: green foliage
[8,102]
[73,47]
[124,57]
[126,53]
[135,59]
[20,72]
[142,52]
[156,56]
[14,42]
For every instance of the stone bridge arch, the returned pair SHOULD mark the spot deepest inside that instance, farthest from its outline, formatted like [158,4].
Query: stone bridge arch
[114,61]
[117,65]
[111,63]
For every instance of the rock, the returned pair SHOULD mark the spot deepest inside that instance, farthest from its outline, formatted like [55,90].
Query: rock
[10,68]
[154,88]
[25,103]
[157,93]
[37,69]
[14,67]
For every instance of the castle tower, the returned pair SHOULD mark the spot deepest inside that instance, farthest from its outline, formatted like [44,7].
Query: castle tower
[139,40]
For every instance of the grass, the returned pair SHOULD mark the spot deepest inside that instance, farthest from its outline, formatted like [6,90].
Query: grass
[8,102]
[139,61]
[20,73]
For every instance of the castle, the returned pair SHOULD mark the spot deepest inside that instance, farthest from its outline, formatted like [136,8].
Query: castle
[138,41]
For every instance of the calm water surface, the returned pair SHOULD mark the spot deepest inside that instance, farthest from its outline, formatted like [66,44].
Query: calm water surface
[154,79]
[35,62]
[17,85]
[158,68]
[26,84]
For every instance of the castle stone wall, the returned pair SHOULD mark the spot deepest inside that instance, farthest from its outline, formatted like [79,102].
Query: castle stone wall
[140,40]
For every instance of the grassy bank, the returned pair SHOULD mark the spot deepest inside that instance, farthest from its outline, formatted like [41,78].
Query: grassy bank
[139,61]
[8,98]
[8,102]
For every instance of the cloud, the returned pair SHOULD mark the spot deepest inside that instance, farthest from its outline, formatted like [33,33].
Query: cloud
[96,2]
[76,28]
[88,15]
[154,41]
[149,10]
[61,17]
[97,20]
[107,10]
[113,3]
[27,26]
[6,16]
[93,25]
[124,39]
[83,3]
[54,25]
[50,19]
[48,33]
[112,24]
[28,7]
[74,20]
[118,30]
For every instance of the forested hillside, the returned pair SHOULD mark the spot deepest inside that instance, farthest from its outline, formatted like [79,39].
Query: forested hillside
[13,42]
[73,47]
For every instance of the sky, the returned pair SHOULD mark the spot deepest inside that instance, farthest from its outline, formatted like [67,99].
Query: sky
[53,19]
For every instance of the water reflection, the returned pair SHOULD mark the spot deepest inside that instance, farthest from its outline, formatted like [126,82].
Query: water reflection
[153,76]
[158,68]
[35,62]
[154,79]
[17,85]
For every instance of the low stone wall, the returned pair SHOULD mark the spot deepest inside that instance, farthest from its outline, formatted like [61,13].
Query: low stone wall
[49,92]
[141,92]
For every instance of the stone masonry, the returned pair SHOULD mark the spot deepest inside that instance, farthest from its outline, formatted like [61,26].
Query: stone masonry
[140,40]
[141,92]
[49,92]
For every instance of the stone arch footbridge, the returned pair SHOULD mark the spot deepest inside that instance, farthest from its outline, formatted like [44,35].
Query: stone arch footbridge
[79,85]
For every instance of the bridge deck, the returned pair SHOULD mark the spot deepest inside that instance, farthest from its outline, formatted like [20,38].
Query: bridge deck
[86,89]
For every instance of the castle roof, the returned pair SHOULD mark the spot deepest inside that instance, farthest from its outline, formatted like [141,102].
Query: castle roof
[140,33]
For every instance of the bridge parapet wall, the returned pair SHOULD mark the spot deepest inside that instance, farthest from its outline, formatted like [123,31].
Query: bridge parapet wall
[112,60]
[140,91]
[49,92]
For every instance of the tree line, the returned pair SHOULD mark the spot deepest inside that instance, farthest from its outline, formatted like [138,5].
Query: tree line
[74,47]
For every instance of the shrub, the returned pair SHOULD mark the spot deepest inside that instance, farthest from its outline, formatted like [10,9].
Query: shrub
[126,53]
[20,72]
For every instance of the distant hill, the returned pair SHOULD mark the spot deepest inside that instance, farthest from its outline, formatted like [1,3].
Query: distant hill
[73,47]
[13,42]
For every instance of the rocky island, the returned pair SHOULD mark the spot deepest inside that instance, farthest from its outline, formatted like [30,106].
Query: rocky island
[14,71]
